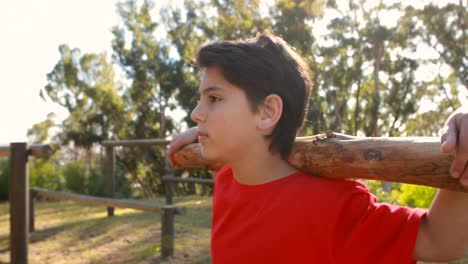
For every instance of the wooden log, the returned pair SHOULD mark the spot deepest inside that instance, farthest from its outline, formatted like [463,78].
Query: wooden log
[88,199]
[414,160]
[36,150]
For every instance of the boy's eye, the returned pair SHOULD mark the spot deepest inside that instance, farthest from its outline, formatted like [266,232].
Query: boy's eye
[214,98]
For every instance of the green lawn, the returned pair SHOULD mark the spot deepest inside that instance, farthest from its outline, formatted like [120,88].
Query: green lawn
[69,232]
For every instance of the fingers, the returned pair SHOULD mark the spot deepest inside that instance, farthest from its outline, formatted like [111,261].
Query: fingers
[178,142]
[455,139]
[449,136]
[459,165]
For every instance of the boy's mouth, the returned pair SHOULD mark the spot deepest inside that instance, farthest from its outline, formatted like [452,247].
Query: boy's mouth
[202,136]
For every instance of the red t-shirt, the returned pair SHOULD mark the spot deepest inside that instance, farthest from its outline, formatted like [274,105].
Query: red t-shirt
[305,219]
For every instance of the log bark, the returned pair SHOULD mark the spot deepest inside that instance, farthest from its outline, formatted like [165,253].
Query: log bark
[414,160]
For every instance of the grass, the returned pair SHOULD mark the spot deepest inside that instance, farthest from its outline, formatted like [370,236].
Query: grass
[69,232]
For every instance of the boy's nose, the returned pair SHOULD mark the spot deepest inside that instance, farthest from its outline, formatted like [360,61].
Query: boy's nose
[196,114]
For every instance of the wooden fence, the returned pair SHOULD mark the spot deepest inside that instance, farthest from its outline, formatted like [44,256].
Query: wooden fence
[22,204]
[18,195]
[167,212]
[167,180]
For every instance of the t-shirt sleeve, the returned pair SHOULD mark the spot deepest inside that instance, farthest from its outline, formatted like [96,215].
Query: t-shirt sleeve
[369,232]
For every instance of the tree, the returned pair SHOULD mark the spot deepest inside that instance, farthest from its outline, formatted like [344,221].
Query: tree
[85,86]
[444,29]
[40,132]
[147,64]
[153,77]
[188,28]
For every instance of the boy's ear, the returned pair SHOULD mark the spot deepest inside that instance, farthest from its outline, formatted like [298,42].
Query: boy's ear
[269,113]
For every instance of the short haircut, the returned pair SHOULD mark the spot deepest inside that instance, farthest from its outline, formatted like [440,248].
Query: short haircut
[262,66]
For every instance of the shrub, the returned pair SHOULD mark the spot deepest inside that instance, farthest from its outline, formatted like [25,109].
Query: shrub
[75,177]
[123,187]
[97,183]
[44,174]
[415,195]
[4,172]
[376,188]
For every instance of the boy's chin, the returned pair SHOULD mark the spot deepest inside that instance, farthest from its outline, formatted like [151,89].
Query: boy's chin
[207,155]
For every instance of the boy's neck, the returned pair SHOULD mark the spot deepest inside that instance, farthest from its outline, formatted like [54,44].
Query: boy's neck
[259,167]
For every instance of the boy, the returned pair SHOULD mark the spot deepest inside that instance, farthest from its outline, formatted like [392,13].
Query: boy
[253,99]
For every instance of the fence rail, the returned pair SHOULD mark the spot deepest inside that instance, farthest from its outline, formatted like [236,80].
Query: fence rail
[192,180]
[36,150]
[136,143]
[120,203]
[167,212]
[22,202]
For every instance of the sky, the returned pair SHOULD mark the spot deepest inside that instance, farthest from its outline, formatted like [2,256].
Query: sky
[30,33]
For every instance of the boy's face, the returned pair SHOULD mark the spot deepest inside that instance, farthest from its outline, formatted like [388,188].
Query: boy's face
[228,127]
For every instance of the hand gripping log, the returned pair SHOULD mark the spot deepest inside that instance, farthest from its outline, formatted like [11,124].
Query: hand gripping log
[415,160]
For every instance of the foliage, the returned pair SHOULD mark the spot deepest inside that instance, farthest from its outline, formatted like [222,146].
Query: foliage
[366,73]
[4,172]
[377,188]
[403,194]
[444,29]
[414,195]
[97,183]
[40,132]
[84,85]
[44,174]
[76,178]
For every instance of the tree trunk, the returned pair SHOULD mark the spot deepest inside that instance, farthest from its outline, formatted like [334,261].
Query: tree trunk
[162,122]
[415,160]
[376,104]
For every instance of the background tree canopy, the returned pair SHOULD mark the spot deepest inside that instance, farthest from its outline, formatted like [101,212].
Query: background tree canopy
[379,70]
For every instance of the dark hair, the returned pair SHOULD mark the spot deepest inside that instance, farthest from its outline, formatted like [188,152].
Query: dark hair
[262,66]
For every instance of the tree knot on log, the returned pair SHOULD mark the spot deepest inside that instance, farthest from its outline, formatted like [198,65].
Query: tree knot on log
[328,133]
[372,155]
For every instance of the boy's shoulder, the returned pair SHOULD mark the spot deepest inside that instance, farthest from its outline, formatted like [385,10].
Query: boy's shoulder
[302,185]
[328,192]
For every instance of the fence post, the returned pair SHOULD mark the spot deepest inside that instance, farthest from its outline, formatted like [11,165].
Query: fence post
[32,195]
[18,197]
[168,186]
[110,171]
[167,232]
